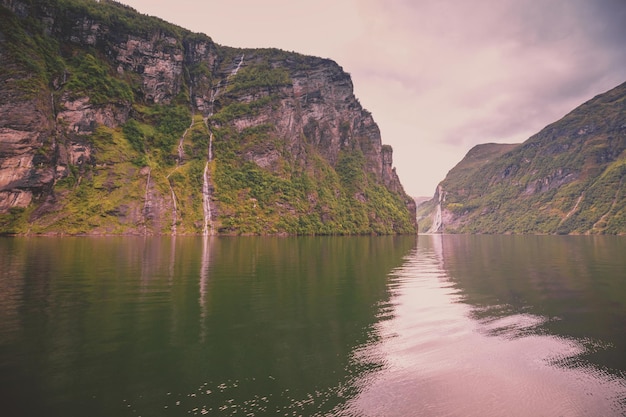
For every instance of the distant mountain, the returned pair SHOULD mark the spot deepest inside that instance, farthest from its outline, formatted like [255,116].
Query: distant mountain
[566,179]
[420,200]
[113,122]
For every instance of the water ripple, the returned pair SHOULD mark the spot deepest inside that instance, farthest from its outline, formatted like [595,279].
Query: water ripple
[444,358]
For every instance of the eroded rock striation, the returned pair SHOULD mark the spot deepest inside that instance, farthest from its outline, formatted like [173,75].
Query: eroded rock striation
[112,122]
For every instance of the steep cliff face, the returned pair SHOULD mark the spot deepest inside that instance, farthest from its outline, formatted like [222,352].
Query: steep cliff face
[568,178]
[296,151]
[114,122]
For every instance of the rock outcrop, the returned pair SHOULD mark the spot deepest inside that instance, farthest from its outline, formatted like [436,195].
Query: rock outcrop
[108,119]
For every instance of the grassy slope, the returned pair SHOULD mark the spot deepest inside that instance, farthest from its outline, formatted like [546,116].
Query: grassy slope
[569,178]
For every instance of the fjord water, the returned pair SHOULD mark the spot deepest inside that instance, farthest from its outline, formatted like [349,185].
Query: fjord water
[359,326]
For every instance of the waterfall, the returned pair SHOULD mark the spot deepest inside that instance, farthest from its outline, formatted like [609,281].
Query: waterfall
[206,177]
[181,149]
[206,188]
[236,70]
[438,220]
[206,202]
[214,93]
[146,204]
[179,161]
[175,212]
[437,223]
[210,146]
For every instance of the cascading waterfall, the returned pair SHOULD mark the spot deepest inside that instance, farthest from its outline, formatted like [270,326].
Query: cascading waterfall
[179,161]
[216,90]
[175,212]
[206,202]
[438,220]
[234,72]
[181,154]
[169,182]
[174,204]
[181,149]
[210,146]
[214,93]
[206,177]
[573,210]
[147,204]
[206,187]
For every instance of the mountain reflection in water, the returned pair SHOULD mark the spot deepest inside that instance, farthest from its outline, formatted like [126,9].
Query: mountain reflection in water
[323,326]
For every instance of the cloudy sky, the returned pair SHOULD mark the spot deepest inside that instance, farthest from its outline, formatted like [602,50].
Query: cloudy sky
[439,76]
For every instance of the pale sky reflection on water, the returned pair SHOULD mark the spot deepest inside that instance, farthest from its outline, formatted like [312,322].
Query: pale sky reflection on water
[440,362]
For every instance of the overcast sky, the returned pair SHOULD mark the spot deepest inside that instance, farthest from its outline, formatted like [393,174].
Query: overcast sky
[439,76]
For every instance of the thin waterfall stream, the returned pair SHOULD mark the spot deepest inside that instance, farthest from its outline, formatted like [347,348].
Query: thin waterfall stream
[206,176]
[175,211]
[179,161]
[147,204]
[438,222]
[206,202]
[206,188]
[181,149]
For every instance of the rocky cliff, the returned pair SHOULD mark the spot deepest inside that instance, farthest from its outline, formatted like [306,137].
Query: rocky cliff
[112,122]
[566,179]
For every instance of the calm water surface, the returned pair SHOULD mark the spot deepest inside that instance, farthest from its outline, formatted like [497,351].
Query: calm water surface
[367,326]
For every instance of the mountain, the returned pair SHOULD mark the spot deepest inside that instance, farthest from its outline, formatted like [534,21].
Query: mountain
[421,199]
[566,179]
[113,122]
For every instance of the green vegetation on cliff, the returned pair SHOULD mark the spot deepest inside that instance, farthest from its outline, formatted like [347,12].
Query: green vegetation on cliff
[567,179]
[302,201]
[286,196]
[133,107]
[91,77]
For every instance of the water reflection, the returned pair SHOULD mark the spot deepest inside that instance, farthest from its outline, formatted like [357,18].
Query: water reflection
[469,336]
[291,311]
[180,326]
[203,284]
[573,287]
[391,326]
